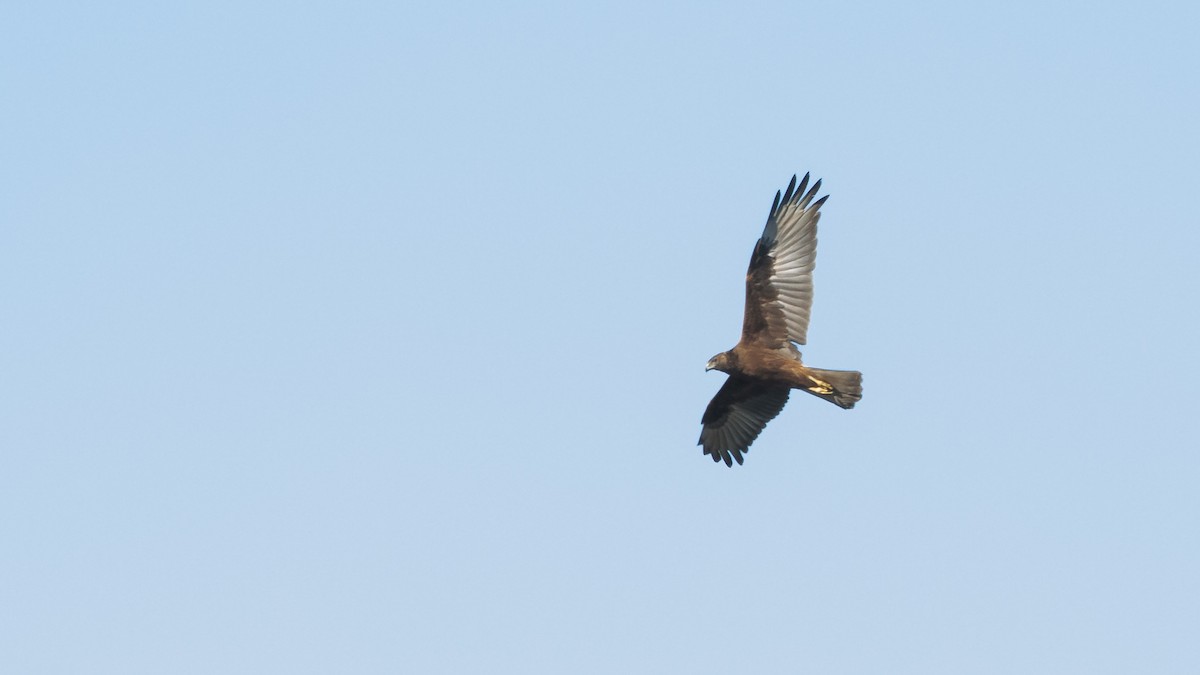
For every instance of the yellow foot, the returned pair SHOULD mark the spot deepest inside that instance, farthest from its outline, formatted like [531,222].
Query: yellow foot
[821,387]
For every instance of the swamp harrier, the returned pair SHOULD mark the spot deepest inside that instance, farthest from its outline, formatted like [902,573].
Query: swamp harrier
[765,365]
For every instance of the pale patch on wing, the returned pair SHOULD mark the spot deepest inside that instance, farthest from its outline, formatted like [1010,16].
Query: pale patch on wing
[791,237]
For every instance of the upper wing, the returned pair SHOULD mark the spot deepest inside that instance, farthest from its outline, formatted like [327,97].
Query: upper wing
[779,282]
[737,415]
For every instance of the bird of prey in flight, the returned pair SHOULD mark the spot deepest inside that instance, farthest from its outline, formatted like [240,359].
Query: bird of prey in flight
[765,365]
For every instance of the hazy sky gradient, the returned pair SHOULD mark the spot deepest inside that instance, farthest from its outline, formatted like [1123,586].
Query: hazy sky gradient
[370,338]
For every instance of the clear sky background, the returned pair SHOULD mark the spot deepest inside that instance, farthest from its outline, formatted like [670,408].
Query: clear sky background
[370,338]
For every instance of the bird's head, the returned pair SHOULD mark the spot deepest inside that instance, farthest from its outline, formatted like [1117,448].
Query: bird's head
[718,362]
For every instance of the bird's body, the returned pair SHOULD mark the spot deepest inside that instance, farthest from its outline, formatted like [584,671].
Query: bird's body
[765,364]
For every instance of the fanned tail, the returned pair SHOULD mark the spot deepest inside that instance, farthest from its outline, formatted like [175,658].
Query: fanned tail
[840,387]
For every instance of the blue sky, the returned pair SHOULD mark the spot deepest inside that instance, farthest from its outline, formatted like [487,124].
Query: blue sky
[371,337]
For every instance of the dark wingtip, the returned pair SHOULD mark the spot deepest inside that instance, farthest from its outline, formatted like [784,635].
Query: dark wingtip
[768,235]
[808,196]
[787,196]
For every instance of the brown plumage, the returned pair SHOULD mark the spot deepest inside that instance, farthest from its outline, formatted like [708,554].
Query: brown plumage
[765,365]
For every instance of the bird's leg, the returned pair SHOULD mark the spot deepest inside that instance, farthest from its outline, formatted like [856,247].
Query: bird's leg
[819,387]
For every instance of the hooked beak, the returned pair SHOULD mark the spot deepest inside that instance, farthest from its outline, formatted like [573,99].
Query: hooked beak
[709,366]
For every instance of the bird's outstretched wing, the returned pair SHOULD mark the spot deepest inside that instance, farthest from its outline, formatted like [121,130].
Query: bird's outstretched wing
[779,285]
[737,415]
